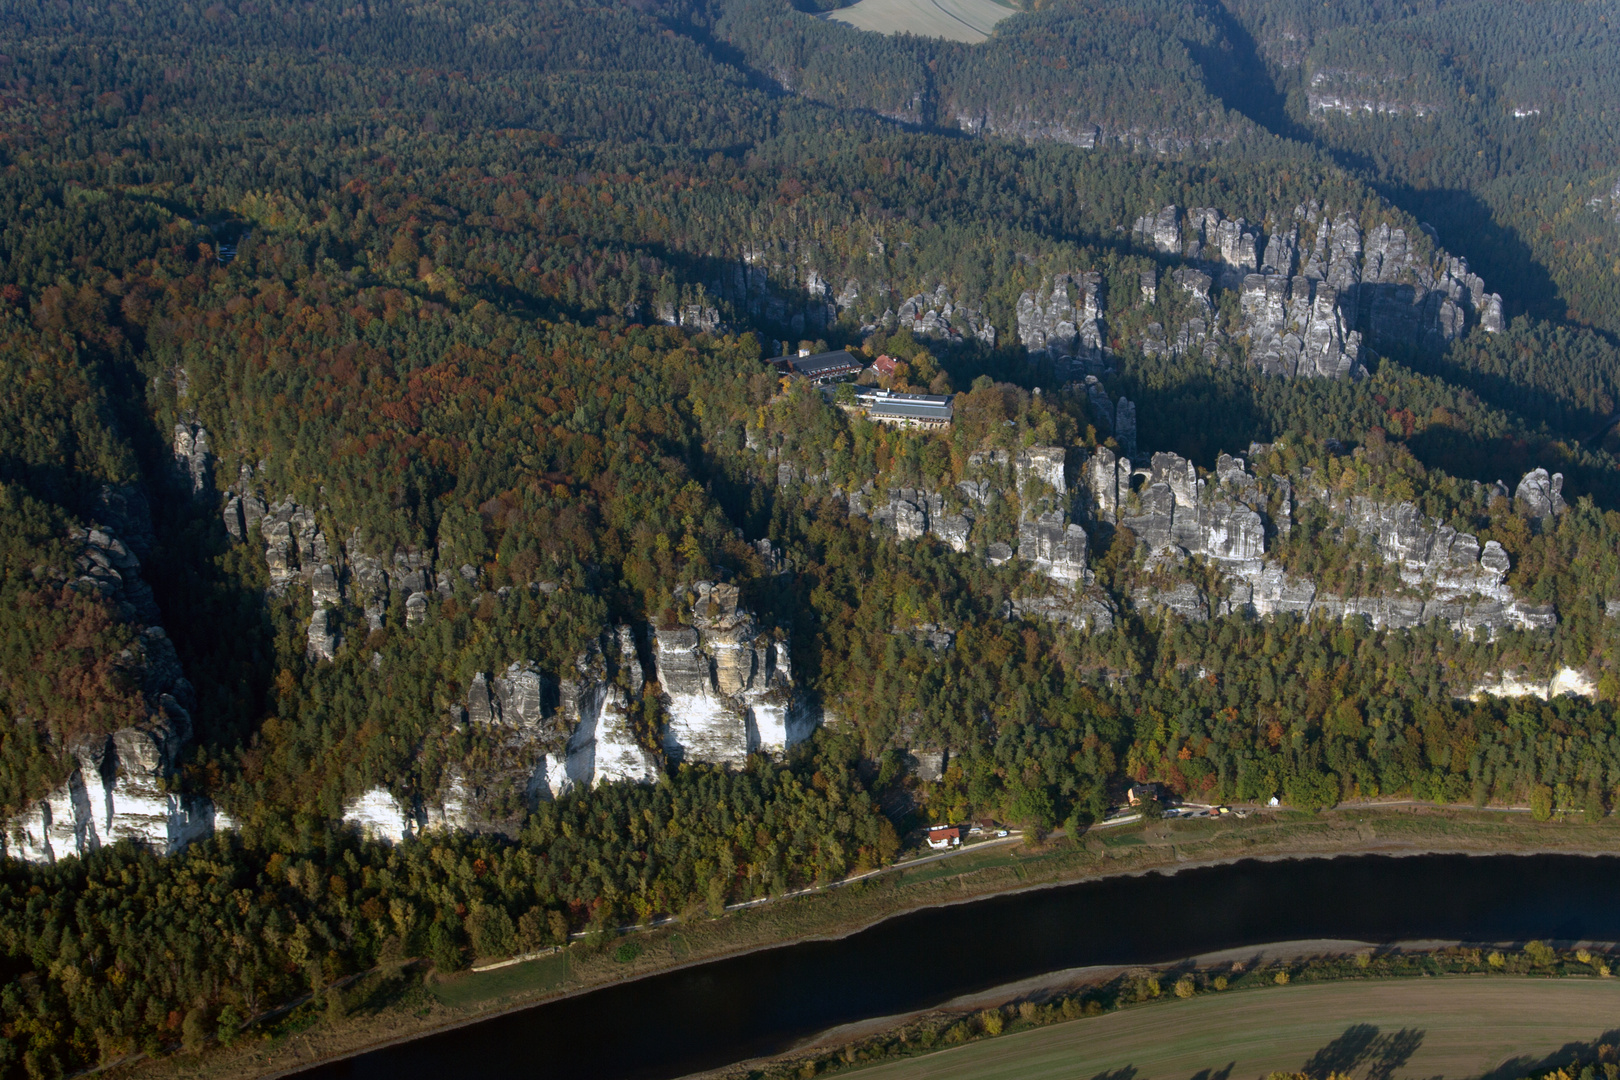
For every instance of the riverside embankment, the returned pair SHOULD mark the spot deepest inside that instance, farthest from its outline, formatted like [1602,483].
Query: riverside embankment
[754,1002]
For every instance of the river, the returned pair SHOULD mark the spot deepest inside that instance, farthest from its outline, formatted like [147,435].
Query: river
[764,1002]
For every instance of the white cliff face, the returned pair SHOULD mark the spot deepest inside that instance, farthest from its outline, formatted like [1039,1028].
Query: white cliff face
[728,688]
[616,755]
[541,737]
[116,791]
[1565,681]
[378,815]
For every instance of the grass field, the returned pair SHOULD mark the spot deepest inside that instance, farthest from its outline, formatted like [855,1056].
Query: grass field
[956,20]
[1383,1029]
[536,976]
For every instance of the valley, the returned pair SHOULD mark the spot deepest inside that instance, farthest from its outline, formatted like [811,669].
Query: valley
[479,477]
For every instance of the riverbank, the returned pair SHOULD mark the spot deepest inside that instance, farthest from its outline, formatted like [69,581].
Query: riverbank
[378,1011]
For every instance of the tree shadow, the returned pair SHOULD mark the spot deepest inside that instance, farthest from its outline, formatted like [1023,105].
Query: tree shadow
[1603,1047]
[1124,1072]
[1361,1048]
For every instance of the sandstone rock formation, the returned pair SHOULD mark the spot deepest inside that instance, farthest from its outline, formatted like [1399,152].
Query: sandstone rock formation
[1062,320]
[538,737]
[1054,548]
[935,315]
[1566,680]
[1381,287]
[119,784]
[1295,328]
[193,458]
[694,316]
[1089,609]
[1355,93]
[914,513]
[728,687]
[1162,230]
[1174,513]
[1539,495]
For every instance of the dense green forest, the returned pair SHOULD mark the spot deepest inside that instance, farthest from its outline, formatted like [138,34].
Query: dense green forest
[491,284]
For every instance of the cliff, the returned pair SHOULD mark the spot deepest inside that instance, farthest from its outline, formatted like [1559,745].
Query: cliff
[727,687]
[534,736]
[1311,291]
[122,784]
[1226,519]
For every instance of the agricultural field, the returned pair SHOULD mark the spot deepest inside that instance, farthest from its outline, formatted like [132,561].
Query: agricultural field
[969,21]
[1453,1027]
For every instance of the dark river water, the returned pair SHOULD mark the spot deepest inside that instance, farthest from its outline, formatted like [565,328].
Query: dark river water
[711,1015]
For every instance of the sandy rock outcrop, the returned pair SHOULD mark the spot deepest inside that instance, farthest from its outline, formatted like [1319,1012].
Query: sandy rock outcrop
[1162,230]
[1566,680]
[1054,548]
[1382,287]
[119,786]
[913,513]
[193,458]
[937,316]
[1061,319]
[1175,513]
[1294,328]
[728,687]
[537,737]
[1540,496]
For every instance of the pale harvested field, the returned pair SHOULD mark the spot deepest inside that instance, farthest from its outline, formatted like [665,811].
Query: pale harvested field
[1447,1027]
[957,20]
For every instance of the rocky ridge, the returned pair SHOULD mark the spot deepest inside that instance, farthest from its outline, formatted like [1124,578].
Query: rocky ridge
[121,786]
[724,688]
[1021,124]
[1353,93]
[1226,519]
[1061,319]
[1312,290]
[297,552]
[540,736]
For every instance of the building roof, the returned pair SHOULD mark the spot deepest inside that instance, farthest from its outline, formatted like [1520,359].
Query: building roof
[905,411]
[885,405]
[818,366]
[873,397]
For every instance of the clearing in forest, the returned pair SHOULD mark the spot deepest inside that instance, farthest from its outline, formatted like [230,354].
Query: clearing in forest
[958,20]
[1406,1027]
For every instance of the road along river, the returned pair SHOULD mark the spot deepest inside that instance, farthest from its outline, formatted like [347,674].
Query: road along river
[765,1002]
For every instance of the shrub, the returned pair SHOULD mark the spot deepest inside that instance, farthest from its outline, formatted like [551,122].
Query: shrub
[1539,953]
[194,1030]
[443,950]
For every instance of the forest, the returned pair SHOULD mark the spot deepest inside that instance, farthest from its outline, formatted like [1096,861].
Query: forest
[489,286]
